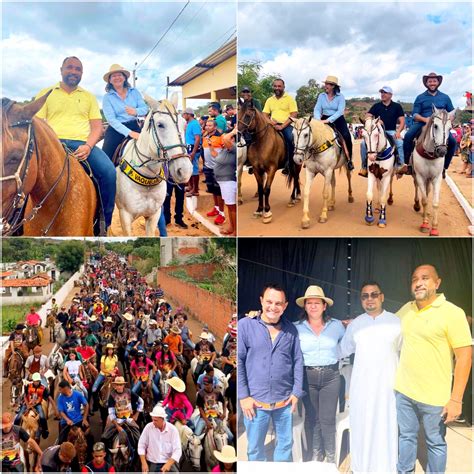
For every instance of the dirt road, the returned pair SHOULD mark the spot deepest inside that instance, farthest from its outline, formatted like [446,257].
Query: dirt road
[347,219]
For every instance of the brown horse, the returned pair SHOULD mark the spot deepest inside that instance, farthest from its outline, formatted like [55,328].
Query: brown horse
[266,153]
[30,423]
[45,190]
[15,372]
[32,337]
[78,438]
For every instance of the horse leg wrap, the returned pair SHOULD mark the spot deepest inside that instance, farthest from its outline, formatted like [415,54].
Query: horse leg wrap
[369,213]
[383,215]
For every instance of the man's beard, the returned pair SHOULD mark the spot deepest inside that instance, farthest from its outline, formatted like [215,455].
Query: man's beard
[71,80]
[278,92]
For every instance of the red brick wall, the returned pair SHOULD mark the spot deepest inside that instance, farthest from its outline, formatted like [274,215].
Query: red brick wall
[190,251]
[197,271]
[214,310]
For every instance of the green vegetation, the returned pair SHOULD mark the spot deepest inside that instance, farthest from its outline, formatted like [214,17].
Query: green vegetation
[70,256]
[12,315]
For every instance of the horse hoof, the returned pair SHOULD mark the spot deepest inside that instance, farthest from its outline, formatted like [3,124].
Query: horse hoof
[291,204]
[241,201]
[434,232]
[267,217]
[257,214]
[305,224]
[369,220]
[330,208]
[390,202]
[425,227]
[323,220]
[416,207]
[350,199]
[382,224]
[298,198]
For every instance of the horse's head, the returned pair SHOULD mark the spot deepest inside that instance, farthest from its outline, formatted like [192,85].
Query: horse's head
[164,129]
[194,451]
[18,170]
[120,452]
[373,134]
[303,138]
[440,126]
[247,115]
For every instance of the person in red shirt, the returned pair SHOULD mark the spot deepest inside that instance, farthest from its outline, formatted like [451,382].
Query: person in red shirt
[34,319]
[98,463]
[88,357]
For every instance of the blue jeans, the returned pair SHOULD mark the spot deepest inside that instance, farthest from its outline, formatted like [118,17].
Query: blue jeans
[162,224]
[22,411]
[201,426]
[137,389]
[398,143]
[414,132]
[289,141]
[104,172]
[409,415]
[157,376]
[98,382]
[257,430]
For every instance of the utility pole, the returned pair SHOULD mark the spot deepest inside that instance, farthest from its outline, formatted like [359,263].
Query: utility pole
[134,75]
[167,85]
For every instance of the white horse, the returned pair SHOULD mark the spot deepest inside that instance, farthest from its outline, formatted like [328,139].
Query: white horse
[317,148]
[141,180]
[191,445]
[215,439]
[428,163]
[381,160]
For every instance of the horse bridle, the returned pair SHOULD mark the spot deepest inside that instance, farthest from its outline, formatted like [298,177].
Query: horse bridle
[161,149]
[251,134]
[12,220]
[307,147]
[444,120]
[369,133]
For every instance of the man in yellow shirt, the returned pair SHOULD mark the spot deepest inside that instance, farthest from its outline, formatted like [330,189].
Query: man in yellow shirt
[74,115]
[280,107]
[432,330]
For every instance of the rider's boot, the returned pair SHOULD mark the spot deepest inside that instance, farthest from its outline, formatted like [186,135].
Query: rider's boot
[44,428]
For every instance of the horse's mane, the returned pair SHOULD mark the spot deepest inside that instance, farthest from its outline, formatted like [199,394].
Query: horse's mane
[427,126]
[166,104]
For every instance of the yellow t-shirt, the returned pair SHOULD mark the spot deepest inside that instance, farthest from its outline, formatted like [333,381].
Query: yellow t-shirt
[69,114]
[280,109]
[110,364]
[426,361]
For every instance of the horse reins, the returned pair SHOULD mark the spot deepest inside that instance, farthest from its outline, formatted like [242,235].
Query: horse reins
[380,154]
[252,134]
[13,220]
[307,147]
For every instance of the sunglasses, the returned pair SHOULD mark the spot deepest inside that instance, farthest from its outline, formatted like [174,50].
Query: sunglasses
[366,296]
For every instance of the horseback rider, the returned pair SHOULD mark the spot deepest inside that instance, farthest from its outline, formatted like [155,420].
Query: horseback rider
[205,352]
[74,373]
[422,111]
[329,109]
[74,115]
[165,363]
[152,334]
[108,368]
[393,118]
[130,334]
[63,317]
[207,401]
[173,339]
[185,331]
[141,370]
[10,454]
[17,343]
[176,403]
[69,404]
[280,108]
[124,406]
[33,320]
[37,363]
[209,372]
[229,356]
[34,396]
[60,458]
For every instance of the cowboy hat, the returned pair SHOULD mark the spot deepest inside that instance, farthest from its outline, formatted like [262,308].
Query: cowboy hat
[177,384]
[175,330]
[119,380]
[109,346]
[332,80]
[204,335]
[227,455]
[128,316]
[93,318]
[430,75]
[313,291]
[153,321]
[108,319]
[158,412]
[116,68]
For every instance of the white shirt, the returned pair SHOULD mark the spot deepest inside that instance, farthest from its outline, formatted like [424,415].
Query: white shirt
[73,367]
[159,446]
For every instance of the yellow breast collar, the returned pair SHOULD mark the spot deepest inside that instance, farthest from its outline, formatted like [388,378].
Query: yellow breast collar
[325,146]
[138,178]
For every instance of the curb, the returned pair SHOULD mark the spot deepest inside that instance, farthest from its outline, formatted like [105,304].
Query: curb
[460,198]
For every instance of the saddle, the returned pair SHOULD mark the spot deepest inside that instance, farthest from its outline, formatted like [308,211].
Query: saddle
[340,142]
[119,151]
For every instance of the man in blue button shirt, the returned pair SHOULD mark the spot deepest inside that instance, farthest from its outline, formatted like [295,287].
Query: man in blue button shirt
[422,110]
[270,375]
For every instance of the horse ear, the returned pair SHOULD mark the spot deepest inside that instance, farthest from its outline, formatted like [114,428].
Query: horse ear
[434,109]
[361,120]
[113,450]
[293,120]
[27,111]
[150,101]
[174,99]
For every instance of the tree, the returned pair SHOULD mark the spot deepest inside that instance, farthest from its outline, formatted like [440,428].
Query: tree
[306,97]
[70,256]
[250,75]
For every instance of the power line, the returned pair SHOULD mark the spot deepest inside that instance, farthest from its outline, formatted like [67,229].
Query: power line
[163,35]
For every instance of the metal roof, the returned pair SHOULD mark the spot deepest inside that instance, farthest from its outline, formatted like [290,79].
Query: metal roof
[217,57]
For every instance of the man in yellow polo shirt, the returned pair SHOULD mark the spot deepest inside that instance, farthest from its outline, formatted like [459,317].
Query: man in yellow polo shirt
[432,330]
[74,115]
[279,108]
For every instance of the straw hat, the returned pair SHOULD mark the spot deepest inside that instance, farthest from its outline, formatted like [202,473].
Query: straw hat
[431,75]
[158,412]
[119,381]
[175,330]
[227,455]
[128,316]
[108,319]
[116,68]
[204,335]
[177,384]
[109,346]
[332,80]
[313,291]
[93,318]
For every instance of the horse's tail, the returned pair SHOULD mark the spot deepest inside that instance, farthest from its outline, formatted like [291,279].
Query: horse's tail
[292,177]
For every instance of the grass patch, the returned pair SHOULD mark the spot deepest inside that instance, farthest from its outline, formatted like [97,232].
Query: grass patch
[12,315]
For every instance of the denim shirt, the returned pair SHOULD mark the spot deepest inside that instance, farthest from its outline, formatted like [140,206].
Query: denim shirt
[113,107]
[424,102]
[323,349]
[268,371]
[332,108]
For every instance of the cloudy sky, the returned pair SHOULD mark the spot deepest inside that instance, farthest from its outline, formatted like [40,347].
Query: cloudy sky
[37,36]
[367,45]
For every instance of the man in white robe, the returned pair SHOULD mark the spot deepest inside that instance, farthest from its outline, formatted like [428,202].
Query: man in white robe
[375,338]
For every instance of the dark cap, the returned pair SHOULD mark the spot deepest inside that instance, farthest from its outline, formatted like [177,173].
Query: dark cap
[19,327]
[245,89]
[207,380]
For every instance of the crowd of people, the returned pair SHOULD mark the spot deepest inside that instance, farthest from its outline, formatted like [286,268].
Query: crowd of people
[120,366]
[402,375]
[74,115]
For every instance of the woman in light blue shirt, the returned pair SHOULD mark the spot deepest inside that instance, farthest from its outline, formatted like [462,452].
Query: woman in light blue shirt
[330,109]
[121,106]
[319,338]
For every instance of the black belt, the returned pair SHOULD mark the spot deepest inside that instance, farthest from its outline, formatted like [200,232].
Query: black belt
[322,367]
